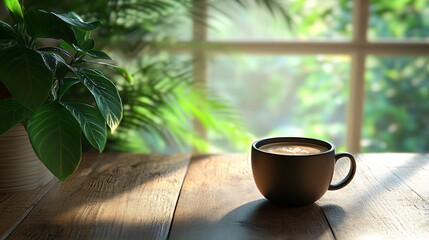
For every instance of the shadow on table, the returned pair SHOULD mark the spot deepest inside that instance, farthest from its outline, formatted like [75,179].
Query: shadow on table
[111,196]
[261,219]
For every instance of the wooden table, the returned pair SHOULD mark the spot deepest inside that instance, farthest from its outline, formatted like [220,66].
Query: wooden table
[123,196]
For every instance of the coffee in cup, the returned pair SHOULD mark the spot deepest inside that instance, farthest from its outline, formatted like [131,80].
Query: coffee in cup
[296,171]
[293,148]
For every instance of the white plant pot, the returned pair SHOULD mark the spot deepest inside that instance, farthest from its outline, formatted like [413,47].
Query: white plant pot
[20,169]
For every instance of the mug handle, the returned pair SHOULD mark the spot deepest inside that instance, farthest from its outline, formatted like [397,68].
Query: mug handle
[349,176]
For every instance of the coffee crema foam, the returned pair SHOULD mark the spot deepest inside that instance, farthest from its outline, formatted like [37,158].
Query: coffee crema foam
[291,148]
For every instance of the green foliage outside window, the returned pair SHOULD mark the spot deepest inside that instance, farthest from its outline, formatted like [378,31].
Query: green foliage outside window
[396,105]
[396,88]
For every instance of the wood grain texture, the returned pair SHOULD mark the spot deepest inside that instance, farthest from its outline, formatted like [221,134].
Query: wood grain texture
[114,196]
[123,196]
[15,206]
[219,200]
[388,199]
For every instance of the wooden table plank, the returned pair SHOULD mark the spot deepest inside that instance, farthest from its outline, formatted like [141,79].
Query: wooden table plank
[123,196]
[388,199]
[219,200]
[15,206]
[117,196]
[415,174]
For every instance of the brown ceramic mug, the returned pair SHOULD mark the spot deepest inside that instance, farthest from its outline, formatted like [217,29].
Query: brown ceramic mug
[296,171]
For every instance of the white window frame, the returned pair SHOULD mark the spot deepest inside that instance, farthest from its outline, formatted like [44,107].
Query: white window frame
[358,49]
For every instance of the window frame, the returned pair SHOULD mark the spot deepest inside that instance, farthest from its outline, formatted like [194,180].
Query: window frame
[358,48]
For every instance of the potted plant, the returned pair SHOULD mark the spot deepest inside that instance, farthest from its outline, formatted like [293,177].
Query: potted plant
[38,73]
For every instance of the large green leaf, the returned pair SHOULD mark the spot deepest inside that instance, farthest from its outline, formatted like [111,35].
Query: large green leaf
[106,95]
[91,122]
[74,20]
[11,113]
[15,8]
[81,29]
[26,75]
[55,136]
[42,24]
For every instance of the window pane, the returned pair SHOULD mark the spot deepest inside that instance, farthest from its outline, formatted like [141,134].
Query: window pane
[175,25]
[312,19]
[399,19]
[396,105]
[286,95]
